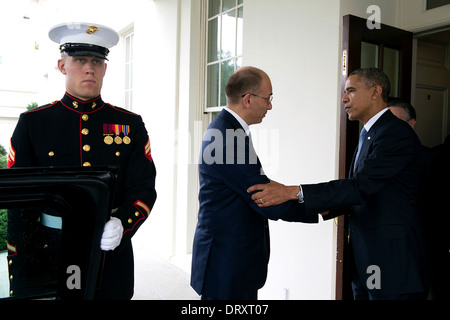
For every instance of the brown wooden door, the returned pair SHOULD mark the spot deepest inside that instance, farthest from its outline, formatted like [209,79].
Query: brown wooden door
[387,48]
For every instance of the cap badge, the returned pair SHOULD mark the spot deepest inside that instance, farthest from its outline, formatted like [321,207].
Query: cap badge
[91,30]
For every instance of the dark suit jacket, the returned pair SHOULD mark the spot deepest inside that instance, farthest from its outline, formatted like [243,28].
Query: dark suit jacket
[382,193]
[231,243]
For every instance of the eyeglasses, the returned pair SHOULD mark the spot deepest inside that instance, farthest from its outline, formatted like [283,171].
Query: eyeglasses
[269,99]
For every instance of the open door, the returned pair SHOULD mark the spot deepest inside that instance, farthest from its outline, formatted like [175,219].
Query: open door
[364,45]
[55,220]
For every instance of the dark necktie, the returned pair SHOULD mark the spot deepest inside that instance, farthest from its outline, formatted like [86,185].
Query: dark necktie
[362,137]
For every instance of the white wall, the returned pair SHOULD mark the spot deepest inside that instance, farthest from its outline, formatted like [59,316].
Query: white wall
[156,99]
[413,16]
[388,9]
[297,44]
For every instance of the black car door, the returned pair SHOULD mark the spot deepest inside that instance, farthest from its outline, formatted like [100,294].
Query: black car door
[51,223]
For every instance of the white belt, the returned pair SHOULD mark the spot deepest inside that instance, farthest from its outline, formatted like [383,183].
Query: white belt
[51,221]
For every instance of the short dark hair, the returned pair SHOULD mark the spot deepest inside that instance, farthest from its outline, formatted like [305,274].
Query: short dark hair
[372,77]
[409,109]
[244,80]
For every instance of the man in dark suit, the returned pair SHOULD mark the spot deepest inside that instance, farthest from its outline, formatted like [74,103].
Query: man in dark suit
[231,243]
[390,257]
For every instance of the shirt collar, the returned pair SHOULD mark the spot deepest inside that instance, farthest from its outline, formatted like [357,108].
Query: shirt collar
[241,122]
[82,106]
[374,119]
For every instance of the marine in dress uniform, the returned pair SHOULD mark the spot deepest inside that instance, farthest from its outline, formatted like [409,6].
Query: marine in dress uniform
[76,132]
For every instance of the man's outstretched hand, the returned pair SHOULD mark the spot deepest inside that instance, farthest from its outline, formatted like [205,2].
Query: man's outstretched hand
[273,193]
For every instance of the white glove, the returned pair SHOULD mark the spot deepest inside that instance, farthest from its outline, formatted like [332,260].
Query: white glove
[112,234]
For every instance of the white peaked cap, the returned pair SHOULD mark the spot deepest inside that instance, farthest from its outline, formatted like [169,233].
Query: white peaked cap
[80,32]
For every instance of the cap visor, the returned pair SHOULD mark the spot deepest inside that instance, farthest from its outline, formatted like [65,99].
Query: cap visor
[86,54]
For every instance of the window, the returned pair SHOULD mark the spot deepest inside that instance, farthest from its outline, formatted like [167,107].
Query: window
[129,41]
[224,48]
[370,54]
[431,4]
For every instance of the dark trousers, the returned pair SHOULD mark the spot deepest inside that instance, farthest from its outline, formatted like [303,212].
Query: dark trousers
[360,291]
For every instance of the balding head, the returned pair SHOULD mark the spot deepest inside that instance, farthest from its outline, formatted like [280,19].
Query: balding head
[244,80]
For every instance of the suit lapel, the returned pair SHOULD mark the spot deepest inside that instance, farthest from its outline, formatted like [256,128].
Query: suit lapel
[233,123]
[371,135]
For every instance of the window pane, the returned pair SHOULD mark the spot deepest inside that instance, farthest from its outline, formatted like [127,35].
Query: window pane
[229,35]
[431,4]
[213,40]
[228,4]
[34,242]
[369,55]
[391,66]
[131,76]
[127,47]
[240,31]
[224,47]
[127,76]
[129,41]
[227,71]
[214,8]
[212,98]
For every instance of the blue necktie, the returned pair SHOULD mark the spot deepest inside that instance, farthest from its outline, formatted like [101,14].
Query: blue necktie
[362,137]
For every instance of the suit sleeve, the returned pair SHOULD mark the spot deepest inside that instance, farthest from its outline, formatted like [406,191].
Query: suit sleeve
[241,170]
[388,155]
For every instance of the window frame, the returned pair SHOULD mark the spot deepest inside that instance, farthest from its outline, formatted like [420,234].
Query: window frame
[128,72]
[429,5]
[235,57]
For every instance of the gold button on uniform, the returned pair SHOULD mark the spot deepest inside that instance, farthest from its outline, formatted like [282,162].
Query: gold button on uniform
[87,148]
[86,164]
[136,213]
[130,220]
[117,154]
[85,117]
[51,154]
[85,132]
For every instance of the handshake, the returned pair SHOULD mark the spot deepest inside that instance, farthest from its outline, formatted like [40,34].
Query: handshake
[274,193]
